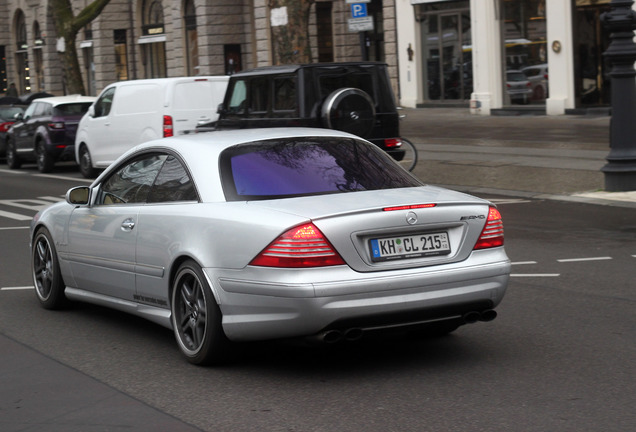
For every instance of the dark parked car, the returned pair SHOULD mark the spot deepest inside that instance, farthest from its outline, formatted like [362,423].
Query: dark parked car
[45,133]
[354,97]
[9,108]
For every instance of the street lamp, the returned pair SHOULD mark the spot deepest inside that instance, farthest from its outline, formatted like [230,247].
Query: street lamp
[620,170]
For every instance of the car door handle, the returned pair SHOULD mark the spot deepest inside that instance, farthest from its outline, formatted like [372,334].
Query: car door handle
[127,225]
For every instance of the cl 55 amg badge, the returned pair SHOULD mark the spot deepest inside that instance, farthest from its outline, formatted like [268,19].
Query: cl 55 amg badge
[463,218]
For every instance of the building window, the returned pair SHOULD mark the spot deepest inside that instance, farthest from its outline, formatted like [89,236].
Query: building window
[153,40]
[21,55]
[121,55]
[38,42]
[191,37]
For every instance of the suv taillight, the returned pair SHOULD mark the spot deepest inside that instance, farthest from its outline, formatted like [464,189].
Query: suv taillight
[167,127]
[56,125]
[301,246]
[392,142]
[493,233]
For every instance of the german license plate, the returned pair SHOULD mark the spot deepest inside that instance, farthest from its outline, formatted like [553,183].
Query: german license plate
[413,246]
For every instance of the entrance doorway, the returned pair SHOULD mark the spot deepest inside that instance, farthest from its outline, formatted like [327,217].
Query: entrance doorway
[446,50]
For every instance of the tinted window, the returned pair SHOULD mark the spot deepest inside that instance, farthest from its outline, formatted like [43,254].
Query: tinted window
[237,101]
[71,109]
[131,183]
[308,166]
[284,94]
[331,83]
[516,76]
[259,94]
[172,184]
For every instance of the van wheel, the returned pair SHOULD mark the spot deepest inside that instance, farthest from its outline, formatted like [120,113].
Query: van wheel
[86,164]
[349,110]
[13,160]
[44,160]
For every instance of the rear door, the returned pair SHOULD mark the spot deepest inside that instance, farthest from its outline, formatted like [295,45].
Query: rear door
[98,129]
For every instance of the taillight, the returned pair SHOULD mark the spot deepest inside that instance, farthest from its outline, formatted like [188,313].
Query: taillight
[301,246]
[56,125]
[167,127]
[392,142]
[493,233]
[5,126]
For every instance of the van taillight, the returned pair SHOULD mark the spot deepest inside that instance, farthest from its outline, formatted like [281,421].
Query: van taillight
[168,131]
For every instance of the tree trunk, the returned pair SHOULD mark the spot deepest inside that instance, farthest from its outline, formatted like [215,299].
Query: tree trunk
[291,41]
[67,27]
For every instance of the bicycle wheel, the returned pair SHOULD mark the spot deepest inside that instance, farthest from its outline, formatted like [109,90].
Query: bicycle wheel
[409,160]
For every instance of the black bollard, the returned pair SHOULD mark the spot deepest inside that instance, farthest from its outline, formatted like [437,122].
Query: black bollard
[620,170]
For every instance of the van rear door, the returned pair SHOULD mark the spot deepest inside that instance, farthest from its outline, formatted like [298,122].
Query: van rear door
[195,100]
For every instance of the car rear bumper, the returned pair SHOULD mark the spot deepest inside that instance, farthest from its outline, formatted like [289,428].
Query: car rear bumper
[277,306]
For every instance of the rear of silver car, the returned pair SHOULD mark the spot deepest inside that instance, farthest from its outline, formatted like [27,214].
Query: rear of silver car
[409,260]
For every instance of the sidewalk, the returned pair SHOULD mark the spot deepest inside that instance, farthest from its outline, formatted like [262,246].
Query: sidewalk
[532,156]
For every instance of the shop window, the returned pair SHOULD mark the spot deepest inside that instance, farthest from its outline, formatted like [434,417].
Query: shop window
[121,55]
[21,55]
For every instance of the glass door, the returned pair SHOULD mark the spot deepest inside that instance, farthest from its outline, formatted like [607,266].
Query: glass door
[446,42]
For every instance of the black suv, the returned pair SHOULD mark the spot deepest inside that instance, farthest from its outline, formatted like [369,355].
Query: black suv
[354,97]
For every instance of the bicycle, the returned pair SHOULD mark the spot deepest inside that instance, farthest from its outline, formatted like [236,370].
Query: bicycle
[409,160]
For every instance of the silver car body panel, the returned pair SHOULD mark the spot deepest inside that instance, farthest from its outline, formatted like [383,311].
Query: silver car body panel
[105,261]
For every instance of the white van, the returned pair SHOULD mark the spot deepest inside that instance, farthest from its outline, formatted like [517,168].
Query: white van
[128,113]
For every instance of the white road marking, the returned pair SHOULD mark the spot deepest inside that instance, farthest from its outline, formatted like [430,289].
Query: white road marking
[535,275]
[13,228]
[15,216]
[584,259]
[523,263]
[19,288]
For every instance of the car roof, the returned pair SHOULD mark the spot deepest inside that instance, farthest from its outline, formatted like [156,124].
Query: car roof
[292,68]
[58,100]
[202,150]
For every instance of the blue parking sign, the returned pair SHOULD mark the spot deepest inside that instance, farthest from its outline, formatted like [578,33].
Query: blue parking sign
[359,10]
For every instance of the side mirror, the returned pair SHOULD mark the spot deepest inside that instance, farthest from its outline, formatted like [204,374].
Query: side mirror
[18,117]
[220,109]
[91,111]
[78,195]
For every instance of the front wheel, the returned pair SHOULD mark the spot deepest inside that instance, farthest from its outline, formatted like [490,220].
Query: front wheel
[409,160]
[13,160]
[86,163]
[47,278]
[196,318]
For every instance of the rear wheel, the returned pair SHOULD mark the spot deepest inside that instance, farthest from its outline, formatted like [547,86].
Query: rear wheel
[44,160]
[409,160]
[86,163]
[47,278]
[350,110]
[196,318]
[13,160]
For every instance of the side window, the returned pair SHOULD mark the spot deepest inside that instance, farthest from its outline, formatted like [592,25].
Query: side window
[104,103]
[29,111]
[237,101]
[172,184]
[47,110]
[284,94]
[131,183]
[259,95]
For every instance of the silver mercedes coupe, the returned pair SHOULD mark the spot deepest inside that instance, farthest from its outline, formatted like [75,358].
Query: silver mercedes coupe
[265,234]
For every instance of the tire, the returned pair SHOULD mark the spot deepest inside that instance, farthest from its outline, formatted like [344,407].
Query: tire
[44,160]
[45,267]
[13,160]
[409,160]
[86,163]
[349,110]
[196,318]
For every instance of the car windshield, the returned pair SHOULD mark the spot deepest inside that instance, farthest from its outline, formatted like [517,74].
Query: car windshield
[308,166]
[8,113]
[72,108]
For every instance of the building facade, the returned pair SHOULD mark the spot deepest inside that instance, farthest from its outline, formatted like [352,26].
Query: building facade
[440,52]
[470,52]
[161,38]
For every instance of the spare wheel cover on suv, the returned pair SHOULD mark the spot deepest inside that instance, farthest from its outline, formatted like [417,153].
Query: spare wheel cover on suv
[350,110]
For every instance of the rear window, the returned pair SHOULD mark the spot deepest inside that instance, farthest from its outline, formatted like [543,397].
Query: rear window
[308,166]
[71,109]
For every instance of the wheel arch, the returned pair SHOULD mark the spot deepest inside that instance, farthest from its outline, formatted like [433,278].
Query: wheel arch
[174,268]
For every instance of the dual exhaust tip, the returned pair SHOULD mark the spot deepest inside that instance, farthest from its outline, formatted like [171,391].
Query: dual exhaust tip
[354,334]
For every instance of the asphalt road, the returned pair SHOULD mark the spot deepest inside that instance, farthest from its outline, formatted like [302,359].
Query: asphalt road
[560,357]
